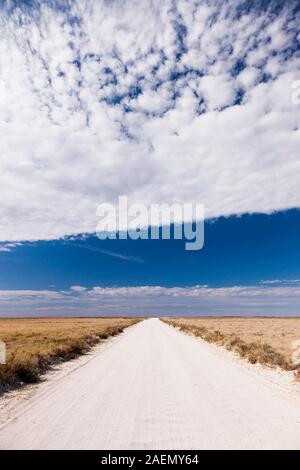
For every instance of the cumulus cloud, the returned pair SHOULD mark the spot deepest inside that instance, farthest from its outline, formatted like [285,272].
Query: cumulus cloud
[195,291]
[78,288]
[29,294]
[154,300]
[164,102]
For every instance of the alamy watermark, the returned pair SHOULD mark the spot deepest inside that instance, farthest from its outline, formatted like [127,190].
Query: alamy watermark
[156,221]
[2,352]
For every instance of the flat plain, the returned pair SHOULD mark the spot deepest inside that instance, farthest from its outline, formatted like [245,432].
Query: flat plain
[34,344]
[270,340]
[154,387]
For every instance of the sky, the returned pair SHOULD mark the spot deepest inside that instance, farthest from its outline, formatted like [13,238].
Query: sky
[198,103]
[249,265]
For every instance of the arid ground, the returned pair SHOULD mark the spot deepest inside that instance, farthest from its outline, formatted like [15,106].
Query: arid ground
[154,387]
[34,344]
[269,341]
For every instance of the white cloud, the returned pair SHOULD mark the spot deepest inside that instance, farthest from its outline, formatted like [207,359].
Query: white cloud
[217,91]
[154,300]
[248,77]
[8,247]
[31,294]
[238,292]
[281,281]
[102,102]
[78,288]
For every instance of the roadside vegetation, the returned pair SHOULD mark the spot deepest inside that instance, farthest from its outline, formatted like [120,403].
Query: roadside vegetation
[34,345]
[266,341]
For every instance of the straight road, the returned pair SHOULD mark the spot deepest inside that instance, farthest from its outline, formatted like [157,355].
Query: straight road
[156,388]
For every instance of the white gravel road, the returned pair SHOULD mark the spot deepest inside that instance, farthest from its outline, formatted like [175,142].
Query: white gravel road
[157,388]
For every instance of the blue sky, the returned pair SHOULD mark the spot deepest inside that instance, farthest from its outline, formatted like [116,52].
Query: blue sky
[248,265]
[237,251]
[198,104]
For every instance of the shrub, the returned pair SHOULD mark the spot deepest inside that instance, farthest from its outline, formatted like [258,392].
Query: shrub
[36,344]
[254,352]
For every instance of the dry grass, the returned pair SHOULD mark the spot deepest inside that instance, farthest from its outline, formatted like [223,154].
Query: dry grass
[33,345]
[259,340]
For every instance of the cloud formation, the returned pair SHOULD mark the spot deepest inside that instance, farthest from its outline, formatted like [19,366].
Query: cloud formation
[153,300]
[8,247]
[281,281]
[175,101]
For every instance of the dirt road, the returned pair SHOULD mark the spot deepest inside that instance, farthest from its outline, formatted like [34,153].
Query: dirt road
[156,388]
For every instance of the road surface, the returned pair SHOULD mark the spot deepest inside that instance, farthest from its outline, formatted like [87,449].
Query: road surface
[157,388]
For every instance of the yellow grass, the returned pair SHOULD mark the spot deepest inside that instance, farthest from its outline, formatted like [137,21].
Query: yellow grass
[33,345]
[264,340]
